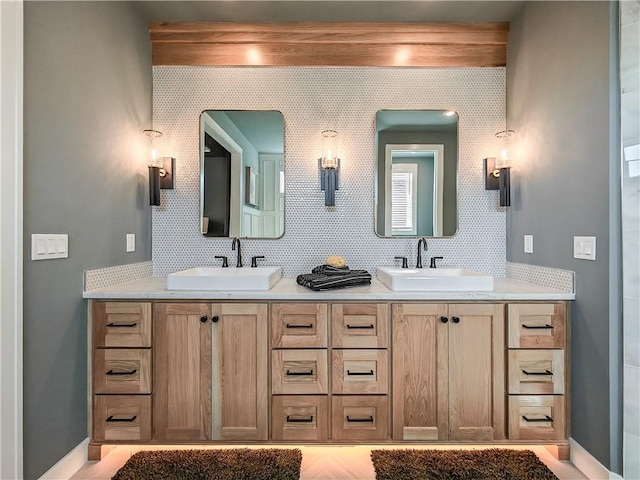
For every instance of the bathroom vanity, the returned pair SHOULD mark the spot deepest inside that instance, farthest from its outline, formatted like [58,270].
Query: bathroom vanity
[359,365]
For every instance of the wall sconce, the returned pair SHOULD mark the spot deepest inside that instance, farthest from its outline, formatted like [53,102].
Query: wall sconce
[497,171]
[160,171]
[329,165]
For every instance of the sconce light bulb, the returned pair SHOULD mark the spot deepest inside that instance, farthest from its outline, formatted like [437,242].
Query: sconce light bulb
[154,154]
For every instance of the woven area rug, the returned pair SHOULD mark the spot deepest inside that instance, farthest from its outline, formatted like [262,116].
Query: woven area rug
[487,464]
[231,464]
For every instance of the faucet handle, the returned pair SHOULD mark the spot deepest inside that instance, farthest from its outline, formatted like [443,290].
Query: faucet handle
[433,261]
[225,261]
[254,260]
[404,261]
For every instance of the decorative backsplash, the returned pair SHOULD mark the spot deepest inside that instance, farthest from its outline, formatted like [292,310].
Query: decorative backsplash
[105,277]
[563,280]
[312,100]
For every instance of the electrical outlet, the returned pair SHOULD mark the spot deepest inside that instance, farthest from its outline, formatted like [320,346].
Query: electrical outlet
[131,242]
[584,248]
[528,244]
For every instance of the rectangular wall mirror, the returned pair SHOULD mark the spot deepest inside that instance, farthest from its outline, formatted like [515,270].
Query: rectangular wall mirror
[242,173]
[416,173]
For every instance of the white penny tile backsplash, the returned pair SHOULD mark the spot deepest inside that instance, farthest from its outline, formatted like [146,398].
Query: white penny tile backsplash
[313,100]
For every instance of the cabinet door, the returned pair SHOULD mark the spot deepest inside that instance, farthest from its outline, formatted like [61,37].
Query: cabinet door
[240,370]
[182,371]
[420,372]
[476,372]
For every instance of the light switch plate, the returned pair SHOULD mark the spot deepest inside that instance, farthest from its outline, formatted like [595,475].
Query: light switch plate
[584,248]
[48,246]
[528,244]
[131,242]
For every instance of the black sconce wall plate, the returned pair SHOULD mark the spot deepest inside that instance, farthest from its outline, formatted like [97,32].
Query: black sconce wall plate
[491,174]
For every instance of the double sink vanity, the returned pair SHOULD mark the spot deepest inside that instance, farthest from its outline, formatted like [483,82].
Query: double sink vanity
[245,355]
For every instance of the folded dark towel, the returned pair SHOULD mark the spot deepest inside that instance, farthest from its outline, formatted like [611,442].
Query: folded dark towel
[326,277]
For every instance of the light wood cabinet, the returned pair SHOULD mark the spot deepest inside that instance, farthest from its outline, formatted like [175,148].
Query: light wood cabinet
[328,372]
[182,371]
[448,372]
[538,371]
[211,371]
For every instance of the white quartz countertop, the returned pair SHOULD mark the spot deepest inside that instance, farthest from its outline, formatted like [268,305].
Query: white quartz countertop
[155,288]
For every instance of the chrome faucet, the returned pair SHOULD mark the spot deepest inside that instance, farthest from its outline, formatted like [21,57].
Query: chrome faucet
[422,242]
[236,241]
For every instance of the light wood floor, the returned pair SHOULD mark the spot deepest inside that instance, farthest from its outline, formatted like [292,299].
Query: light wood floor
[318,462]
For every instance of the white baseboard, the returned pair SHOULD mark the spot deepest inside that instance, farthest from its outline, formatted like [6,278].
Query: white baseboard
[69,464]
[588,464]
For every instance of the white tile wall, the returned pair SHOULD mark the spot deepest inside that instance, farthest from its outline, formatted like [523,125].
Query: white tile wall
[312,100]
[105,277]
[563,280]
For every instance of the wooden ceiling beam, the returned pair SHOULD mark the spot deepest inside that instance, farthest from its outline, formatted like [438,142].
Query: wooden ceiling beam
[330,44]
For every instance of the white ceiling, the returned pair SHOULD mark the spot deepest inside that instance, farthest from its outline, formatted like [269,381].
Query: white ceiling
[330,10]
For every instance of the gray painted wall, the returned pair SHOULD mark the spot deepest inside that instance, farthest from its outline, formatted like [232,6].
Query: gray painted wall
[558,86]
[87,97]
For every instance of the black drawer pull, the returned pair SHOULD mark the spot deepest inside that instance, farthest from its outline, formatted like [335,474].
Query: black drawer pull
[546,372]
[360,327]
[111,372]
[546,419]
[128,420]
[308,419]
[537,327]
[297,325]
[122,325]
[370,372]
[368,419]
[291,374]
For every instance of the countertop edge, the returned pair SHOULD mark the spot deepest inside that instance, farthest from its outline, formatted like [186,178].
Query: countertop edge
[154,288]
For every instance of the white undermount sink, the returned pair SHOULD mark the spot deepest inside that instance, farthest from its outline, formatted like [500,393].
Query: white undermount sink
[218,278]
[434,279]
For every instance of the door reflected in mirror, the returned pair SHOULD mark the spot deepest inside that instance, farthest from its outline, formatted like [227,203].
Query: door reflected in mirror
[242,173]
[416,173]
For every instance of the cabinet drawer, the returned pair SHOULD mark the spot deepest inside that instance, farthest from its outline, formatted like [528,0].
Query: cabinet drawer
[360,325]
[536,371]
[537,325]
[299,417]
[536,417]
[360,417]
[121,324]
[122,370]
[121,417]
[298,325]
[299,371]
[360,371]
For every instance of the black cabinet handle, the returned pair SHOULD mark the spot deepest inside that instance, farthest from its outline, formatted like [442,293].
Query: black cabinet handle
[546,372]
[444,319]
[455,319]
[546,419]
[111,372]
[308,419]
[122,325]
[537,327]
[297,325]
[291,374]
[215,319]
[128,420]
[368,419]
[203,319]
[360,327]
[370,372]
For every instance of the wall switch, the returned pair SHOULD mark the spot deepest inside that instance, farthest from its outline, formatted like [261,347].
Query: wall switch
[49,246]
[131,242]
[528,244]
[584,248]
